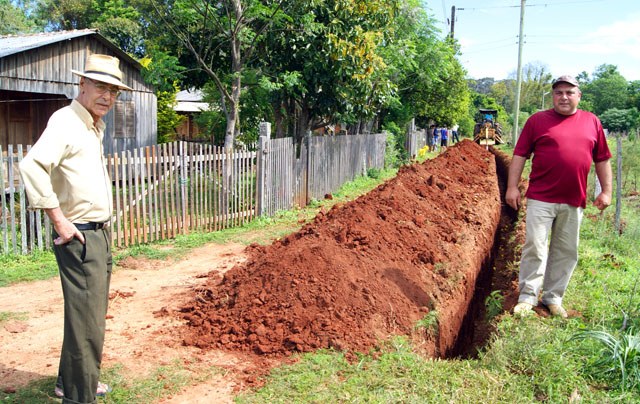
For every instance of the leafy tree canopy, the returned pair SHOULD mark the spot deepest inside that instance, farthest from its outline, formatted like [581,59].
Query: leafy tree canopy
[14,18]
[619,120]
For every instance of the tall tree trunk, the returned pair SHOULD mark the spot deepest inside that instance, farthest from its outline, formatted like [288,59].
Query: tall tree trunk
[304,124]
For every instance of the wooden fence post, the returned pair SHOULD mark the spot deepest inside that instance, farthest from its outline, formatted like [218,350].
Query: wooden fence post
[261,172]
[307,142]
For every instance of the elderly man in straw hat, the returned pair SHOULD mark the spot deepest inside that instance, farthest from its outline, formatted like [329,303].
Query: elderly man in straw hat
[64,174]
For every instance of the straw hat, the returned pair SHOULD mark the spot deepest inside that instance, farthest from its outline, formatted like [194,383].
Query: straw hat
[103,68]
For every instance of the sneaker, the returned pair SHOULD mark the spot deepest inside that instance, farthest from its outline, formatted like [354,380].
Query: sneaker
[557,310]
[101,391]
[523,309]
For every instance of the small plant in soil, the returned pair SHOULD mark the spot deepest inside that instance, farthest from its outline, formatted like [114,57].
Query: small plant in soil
[493,304]
[429,323]
[619,357]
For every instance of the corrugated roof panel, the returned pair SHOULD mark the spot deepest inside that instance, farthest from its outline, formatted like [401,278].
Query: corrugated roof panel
[11,44]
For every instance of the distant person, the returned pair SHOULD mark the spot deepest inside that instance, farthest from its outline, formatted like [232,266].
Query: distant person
[436,139]
[444,139]
[429,133]
[65,175]
[454,134]
[564,141]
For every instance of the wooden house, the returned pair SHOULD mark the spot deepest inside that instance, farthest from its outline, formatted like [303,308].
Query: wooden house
[189,104]
[36,80]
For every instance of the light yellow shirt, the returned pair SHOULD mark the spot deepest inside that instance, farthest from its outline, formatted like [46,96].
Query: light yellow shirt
[66,168]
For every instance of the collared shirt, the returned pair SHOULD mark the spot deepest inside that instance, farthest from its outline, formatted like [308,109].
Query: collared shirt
[65,168]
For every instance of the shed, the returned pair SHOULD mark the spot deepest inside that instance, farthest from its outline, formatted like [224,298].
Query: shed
[189,103]
[36,80]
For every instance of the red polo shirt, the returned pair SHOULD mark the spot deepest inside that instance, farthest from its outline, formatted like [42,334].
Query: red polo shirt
[563,149]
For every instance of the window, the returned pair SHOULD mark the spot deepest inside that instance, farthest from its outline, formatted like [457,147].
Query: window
[125,119]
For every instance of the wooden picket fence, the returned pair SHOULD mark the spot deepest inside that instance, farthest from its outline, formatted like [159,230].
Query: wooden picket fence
[165,190]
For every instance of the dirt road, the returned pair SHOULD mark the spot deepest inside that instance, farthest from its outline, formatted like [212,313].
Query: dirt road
[137,337]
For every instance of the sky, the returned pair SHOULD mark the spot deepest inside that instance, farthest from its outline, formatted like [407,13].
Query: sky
[564,36]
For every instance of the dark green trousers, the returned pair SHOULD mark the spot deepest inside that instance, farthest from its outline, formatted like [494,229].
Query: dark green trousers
[85,274]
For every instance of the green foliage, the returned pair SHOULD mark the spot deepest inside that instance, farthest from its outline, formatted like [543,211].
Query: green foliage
[630,164]
[69,14]
[121,24]
[620,356]
[15,20]
[619,121]
[607,90]
[161,70]
[429,323]
[633,94]
[395,153]
[493,304]
[374,173]
[21,268]
[168,118]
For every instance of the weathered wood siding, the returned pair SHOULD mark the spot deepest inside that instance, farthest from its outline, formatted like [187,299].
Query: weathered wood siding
[46,71]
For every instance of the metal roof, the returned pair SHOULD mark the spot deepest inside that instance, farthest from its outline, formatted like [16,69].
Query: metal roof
[190,101]
[190,95]
[11,44]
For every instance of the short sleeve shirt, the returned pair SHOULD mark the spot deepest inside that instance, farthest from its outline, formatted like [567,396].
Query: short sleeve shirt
[563,149]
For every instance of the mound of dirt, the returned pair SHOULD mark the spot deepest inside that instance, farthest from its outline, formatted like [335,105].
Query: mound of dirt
[364,271]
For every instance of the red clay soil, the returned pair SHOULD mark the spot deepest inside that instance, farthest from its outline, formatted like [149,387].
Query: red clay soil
[364,271]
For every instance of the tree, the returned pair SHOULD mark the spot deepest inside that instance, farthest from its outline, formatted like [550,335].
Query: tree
[68,14]
[428,79]
[15,18]
[606,90]
[120,23]
[536,80]
[114,19]
[323,64]
[163,72]
[633,94]
[222,38]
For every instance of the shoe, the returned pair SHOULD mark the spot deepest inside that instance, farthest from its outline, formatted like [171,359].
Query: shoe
[101,391]
[557,310]
[523,309]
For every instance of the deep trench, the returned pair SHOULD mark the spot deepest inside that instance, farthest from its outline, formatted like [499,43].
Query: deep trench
[496,274]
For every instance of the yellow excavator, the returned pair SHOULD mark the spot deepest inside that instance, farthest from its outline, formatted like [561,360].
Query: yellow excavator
[487,130]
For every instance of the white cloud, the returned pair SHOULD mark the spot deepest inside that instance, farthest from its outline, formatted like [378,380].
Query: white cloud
[619,37]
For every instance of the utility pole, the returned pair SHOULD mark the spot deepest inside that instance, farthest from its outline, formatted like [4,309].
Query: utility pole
[453,19]
[516,108]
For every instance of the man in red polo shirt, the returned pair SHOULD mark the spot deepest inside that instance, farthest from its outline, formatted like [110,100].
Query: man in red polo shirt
[564,141]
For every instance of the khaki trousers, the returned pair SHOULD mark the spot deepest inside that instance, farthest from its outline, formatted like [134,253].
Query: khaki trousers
[85,274]
[550,251]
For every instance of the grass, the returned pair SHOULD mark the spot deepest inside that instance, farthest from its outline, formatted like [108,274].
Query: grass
[26,268]
[164,381]
[528,360]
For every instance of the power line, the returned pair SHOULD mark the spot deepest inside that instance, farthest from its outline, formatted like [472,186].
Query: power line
[531,5]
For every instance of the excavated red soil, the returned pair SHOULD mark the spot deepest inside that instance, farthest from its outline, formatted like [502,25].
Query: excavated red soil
[364,271]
